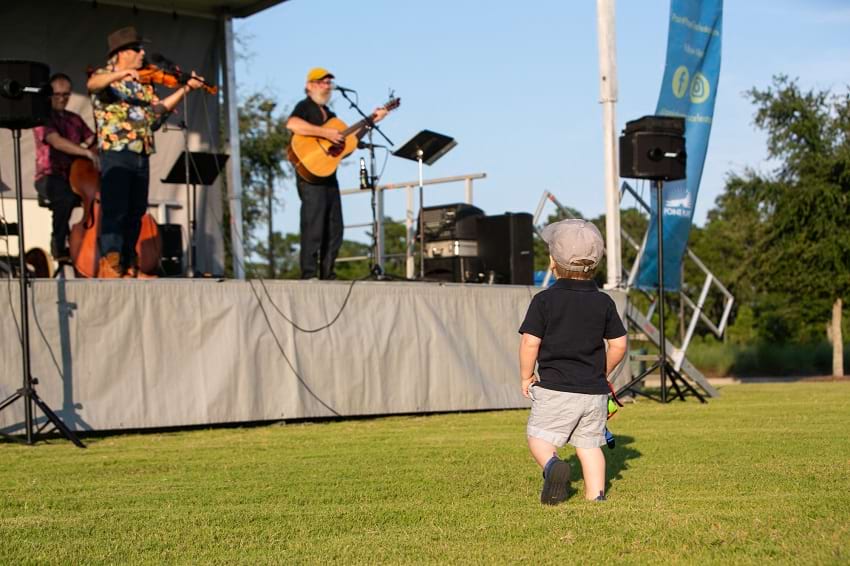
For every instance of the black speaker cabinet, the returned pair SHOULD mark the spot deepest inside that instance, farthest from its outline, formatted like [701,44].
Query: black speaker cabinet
[455,221]
[172,249]
[19,108]
[653,147]
[456,269]
[506,248]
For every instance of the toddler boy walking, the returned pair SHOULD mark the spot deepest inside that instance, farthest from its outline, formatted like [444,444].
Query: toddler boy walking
[565,332]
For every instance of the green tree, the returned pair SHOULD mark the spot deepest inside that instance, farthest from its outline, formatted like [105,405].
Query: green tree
[803,248]
[263,139]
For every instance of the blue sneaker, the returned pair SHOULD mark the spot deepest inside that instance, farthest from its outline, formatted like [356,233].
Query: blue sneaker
[556,483]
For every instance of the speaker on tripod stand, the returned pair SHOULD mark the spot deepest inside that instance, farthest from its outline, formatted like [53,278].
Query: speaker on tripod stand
[24,89]
[653,148]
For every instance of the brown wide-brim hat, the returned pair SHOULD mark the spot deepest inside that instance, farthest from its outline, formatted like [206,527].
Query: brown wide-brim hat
[123,37]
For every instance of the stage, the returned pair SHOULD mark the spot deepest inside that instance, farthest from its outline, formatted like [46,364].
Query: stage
[119,354]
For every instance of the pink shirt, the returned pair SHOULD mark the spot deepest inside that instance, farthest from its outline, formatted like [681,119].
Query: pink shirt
[48,159]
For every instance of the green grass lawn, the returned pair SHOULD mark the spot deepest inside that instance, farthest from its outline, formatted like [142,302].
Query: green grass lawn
[759,474]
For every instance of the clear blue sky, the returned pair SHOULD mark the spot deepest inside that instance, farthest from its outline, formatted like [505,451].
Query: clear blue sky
[517,85]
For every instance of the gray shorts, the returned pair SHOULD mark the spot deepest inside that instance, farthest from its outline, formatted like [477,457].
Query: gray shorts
[559,417]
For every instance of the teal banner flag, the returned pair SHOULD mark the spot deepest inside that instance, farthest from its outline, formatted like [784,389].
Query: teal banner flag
[689,89]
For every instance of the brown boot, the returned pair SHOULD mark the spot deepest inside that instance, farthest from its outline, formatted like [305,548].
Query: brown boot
[110,266]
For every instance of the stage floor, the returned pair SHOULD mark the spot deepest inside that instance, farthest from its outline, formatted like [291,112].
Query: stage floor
[178,352]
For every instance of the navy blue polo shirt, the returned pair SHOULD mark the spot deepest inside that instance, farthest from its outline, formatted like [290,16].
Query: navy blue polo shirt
[572,318]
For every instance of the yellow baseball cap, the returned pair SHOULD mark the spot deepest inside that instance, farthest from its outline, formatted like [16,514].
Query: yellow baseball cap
[318,73]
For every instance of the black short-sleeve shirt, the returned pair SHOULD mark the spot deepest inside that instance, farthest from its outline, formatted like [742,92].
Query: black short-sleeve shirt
[572,318]
[311,112]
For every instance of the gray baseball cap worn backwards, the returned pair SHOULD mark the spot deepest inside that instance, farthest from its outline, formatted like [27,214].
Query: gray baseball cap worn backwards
[573,240]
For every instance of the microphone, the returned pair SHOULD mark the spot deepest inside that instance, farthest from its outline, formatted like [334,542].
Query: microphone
[364,145]
[343,89]
[364,177]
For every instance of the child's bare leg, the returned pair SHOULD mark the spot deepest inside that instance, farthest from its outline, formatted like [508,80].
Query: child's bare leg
[593,469]
[541,450]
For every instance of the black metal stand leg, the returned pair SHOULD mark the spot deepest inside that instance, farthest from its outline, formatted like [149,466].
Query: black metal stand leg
[55,420]
[675,384]
[663,366]
[27,391]
[678,377]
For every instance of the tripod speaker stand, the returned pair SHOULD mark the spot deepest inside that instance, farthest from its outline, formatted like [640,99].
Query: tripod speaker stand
[22,107]
[653,147]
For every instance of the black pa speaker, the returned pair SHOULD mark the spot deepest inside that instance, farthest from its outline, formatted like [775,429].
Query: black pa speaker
[653,147]
[24,94]
[506,248]
[172,249]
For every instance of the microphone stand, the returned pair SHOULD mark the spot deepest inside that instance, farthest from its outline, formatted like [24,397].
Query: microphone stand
[377,268]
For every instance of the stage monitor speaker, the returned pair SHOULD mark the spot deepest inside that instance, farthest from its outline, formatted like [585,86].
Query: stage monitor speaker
[456,269]
[506,248]
[24,94]
[172,249]
[653,147]
[455,221]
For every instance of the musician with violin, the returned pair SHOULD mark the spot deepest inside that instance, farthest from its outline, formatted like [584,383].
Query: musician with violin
[321,207]
[127,111]
[63,138]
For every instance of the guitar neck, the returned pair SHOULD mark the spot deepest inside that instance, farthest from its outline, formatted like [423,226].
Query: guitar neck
[353,128]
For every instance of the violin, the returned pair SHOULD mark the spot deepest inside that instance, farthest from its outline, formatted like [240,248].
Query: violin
[152,74]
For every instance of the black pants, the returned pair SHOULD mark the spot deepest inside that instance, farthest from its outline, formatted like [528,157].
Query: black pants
[61,200]
[124,200]
[321,228]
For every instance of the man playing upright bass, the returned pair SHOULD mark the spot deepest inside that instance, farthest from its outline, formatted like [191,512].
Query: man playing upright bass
[127,113]
[57,143]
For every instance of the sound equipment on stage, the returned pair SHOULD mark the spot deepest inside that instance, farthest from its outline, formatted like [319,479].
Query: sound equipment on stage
[172,249]
[24,104]
[506,248]
[8,229]
[458,269]
[653,147]
[451,248]
[455,221]
[24,94]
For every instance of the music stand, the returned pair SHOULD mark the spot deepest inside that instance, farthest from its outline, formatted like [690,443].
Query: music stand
[425,147]
[204,170]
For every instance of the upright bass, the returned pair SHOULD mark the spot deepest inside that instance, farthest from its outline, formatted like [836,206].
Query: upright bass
[85,254]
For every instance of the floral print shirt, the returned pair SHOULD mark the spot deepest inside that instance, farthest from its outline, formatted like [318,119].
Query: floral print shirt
[124,111]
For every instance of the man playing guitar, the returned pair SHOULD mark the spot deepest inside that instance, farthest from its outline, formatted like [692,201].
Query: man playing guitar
[321,207]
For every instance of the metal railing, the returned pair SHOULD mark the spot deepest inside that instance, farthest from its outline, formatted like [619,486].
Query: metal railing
[409,216]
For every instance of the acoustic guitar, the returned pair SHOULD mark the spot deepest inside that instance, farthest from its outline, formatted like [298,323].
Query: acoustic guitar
[315,157]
